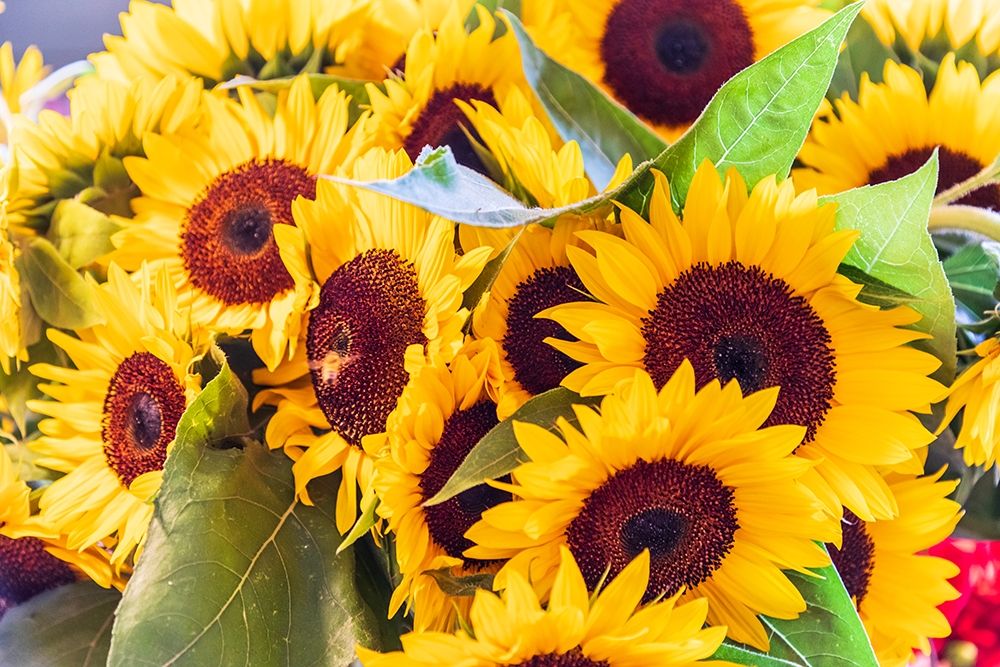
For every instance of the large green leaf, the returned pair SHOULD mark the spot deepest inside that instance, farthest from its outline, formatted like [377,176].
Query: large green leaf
[69,626]
[863,53]
[498,452]
[80,233]
[58,293]
[972,273]
[829,633]
[582,112]
[437,183]
[235,571]
[21,386]
[744,655]
[759,119]
[896,248]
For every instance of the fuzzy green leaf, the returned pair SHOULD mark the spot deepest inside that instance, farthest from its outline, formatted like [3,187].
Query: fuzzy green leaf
[972,273]
[80,233]
[829,633]
[239,571]
[437,183]
[58,293]
[743,655]
[69,626]
[896,248]
[604,129]
[759,119]
[498,452]
[356,88]
[461,586]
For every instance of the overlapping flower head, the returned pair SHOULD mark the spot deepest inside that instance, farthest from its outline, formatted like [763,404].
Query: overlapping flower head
[443,412]
[536,273]
[67,162]
[745,287]
[880,561]
[386,287]
[976,394]
[442,67]
[112,411]
[665,59]
[12,334]
[577,627]
[16,79]
[211,197]
[691,476]
[924,31]
[34,556]
[217,40]
[895,125]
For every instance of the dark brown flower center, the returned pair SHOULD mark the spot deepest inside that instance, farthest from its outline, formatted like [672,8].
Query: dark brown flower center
[954,167]
[27,569]
[683,514]
[735,322]
[539,367]
[370,310]
[573,658]
[441,123]
[855,560]
[141,410]
[227,242]
[448,521]
[665,59]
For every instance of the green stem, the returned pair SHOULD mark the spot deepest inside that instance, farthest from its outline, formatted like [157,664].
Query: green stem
[973,219]
[985,177]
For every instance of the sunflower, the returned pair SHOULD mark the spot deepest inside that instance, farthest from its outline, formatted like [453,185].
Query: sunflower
[386,288]
[443,412]
[77,159]
[665,59]
[211,197]
[535,164]
[112,417]
[575,629]
[977,392]
[34,557]
[746,288]
[441,68]
[16,79]
[880,561]
[690,476]
[12,338]
[264,39]
[895,126]
[931,28]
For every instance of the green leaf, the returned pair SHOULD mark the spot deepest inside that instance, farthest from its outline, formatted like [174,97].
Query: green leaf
[829,633]
[498,452]
[484,282]
[21,386]
[461,586]
[896,248]
[759,119]
[874,292]
[863,52]
[69,626]
[365,522]
[235,571]
[582,112]
[356,88]
[58,293]
[80,233]
[972,273]
[743,655]
[437,183]
[492,6]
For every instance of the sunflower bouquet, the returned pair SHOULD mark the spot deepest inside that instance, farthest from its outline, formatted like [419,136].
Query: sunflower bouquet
[604,333]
